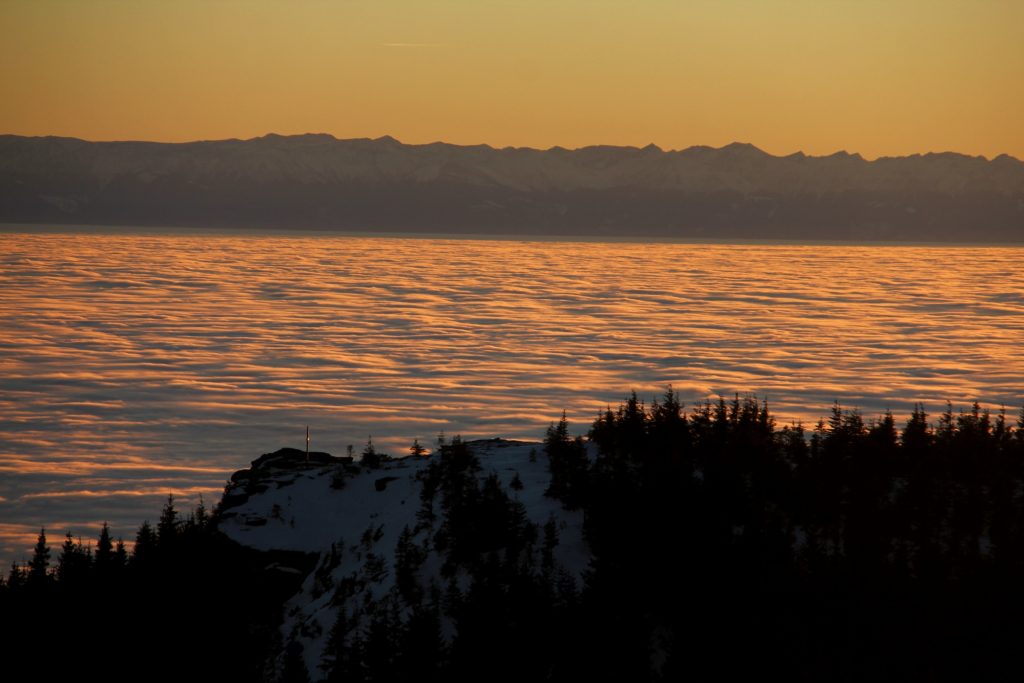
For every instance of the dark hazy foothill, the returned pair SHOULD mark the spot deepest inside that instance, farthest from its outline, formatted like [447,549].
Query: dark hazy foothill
[721,547]
[319,182]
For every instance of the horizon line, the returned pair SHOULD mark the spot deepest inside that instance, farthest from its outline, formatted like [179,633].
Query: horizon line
[650,146]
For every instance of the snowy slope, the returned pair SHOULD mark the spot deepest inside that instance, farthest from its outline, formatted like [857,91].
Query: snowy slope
[354,529]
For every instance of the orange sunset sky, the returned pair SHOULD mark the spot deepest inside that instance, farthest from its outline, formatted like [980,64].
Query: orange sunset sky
[879,78]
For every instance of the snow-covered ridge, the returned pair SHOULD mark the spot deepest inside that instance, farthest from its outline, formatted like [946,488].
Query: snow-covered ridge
[353,517]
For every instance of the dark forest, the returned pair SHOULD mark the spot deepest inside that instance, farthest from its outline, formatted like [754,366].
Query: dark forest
[723,545]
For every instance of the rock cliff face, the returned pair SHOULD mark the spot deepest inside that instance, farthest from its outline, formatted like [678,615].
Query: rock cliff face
[384,538]
[317,181]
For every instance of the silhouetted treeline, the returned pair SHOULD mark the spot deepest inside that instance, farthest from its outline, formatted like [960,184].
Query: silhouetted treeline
[724,547]
[185,604]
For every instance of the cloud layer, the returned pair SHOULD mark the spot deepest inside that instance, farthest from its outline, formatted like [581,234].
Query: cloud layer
[136,365]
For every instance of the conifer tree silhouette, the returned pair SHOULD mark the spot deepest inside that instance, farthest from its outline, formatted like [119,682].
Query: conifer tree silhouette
[39,565]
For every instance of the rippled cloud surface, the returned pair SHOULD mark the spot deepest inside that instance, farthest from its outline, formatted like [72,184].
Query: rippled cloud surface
[137,365]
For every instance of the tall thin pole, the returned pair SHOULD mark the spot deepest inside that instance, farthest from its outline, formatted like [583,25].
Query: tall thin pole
[307,443]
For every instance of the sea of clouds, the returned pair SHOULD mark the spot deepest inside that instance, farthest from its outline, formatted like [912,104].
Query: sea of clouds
[133,365]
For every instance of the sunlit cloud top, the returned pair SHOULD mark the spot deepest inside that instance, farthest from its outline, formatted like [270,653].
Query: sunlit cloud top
[133,366]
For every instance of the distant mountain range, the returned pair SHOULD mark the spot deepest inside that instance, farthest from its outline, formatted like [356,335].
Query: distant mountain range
[382,185]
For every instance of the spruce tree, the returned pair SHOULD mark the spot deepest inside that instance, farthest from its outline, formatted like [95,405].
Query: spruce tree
[202,517]
[37,568]
[567,464]
[371,459]
[120,555]
[167,527]
[145,545]
[16,577]
[408,558]
[72,564]
[104,551]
